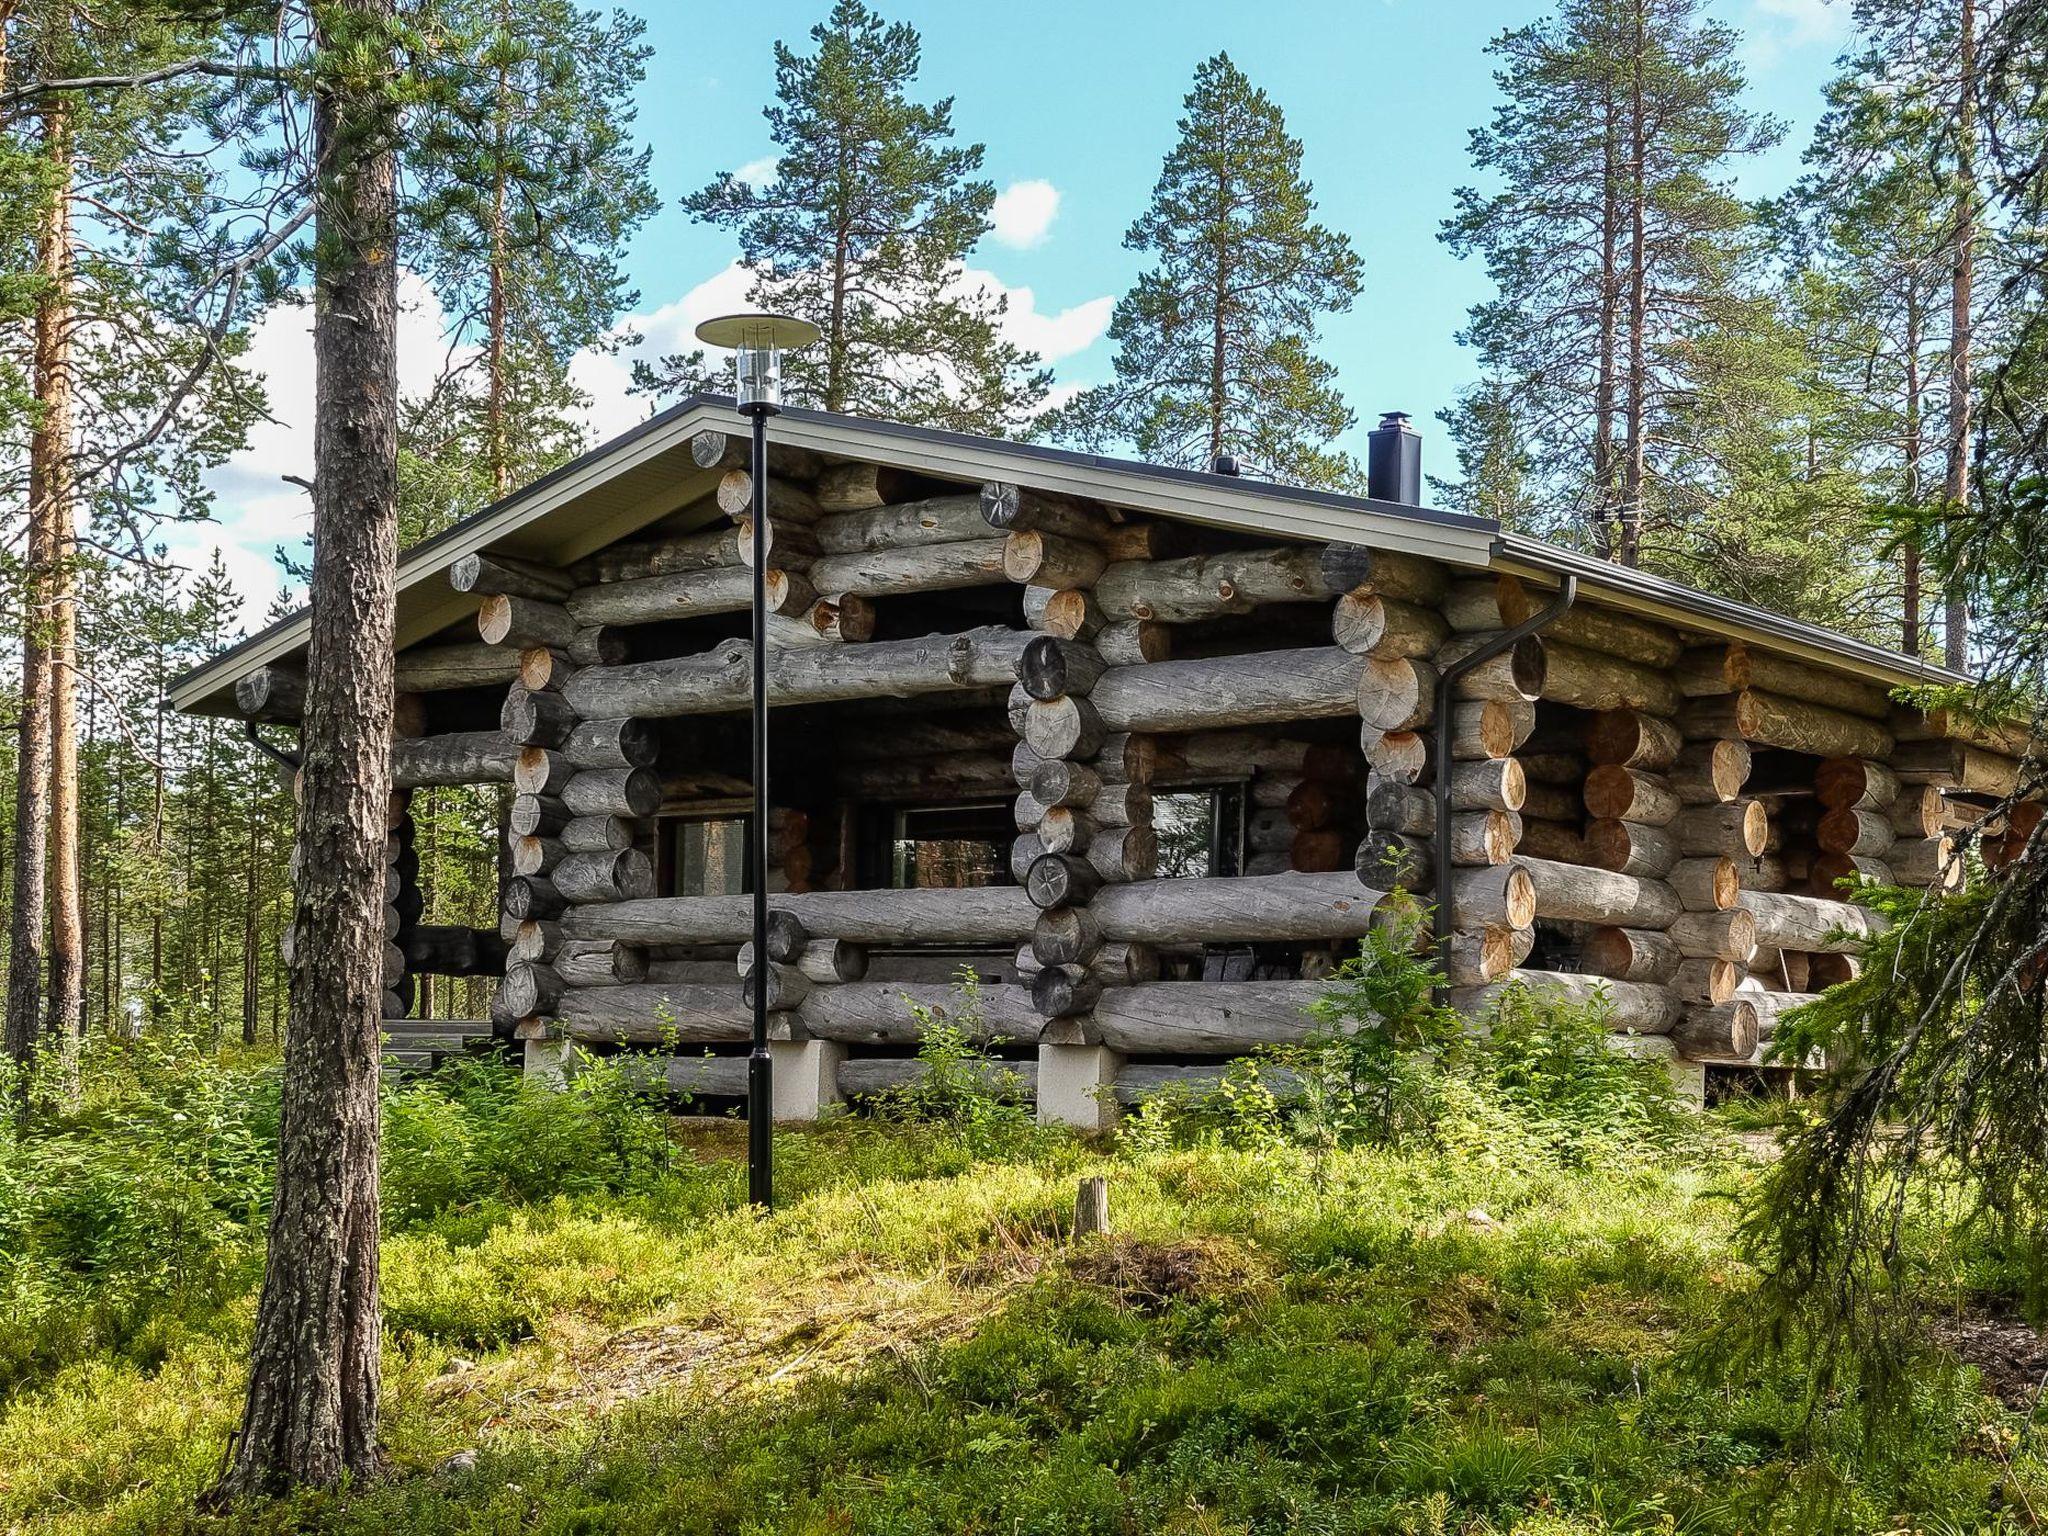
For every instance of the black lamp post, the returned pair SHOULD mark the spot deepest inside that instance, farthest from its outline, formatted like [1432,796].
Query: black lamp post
[758,342]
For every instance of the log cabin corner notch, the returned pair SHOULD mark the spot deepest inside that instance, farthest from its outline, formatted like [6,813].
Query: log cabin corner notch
[1141,747]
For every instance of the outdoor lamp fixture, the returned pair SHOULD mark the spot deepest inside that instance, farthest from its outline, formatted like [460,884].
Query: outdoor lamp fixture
[758,342]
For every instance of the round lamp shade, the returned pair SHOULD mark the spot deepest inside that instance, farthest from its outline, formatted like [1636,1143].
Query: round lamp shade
[782,332]
[757,342]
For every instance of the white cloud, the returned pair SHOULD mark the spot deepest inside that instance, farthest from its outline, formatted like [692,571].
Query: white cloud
[759,173]
[1779,27]
[1024,212]
[605,376]
[255,508]
[1051,336]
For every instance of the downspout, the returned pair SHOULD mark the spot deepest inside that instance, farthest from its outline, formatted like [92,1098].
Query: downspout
[1440,781]
[289,761]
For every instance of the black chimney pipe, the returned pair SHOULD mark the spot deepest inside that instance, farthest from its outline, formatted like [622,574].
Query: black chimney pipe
[1393,461]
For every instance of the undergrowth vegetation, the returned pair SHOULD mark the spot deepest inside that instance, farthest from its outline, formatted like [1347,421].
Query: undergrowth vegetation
[1390,1278]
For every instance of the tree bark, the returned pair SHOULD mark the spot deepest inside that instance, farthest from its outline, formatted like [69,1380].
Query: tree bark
[49,452]
[314,1382]
[1962,319]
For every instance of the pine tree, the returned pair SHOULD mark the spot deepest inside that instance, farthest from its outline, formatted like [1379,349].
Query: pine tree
[1617,336]
[865,231]
[1864,232]
[526,184]
[1214,343]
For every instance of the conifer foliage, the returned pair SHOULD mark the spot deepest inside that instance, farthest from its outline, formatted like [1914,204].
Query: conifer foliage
[864,230]
[1215,342]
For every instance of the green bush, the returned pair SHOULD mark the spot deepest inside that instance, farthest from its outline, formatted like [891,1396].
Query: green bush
[961,1083]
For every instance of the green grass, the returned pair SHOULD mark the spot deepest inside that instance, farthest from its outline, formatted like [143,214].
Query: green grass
[1451,1340]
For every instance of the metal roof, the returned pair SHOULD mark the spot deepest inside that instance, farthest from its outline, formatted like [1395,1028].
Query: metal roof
[647,474]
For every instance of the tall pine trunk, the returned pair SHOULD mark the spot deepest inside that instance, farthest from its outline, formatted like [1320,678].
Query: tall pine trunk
[1604,508]
[1909,618]
[1956,490]
[49,463]
[311,1414]
[67,889]
[501,456]
[1633,475]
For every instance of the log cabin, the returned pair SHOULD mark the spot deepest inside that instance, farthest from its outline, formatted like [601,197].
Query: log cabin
[1143,748]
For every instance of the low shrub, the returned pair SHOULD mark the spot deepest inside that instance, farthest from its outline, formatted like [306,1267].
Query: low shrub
[961,1083]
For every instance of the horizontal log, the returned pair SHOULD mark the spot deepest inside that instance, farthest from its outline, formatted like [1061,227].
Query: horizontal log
[1630,794]
[1134,642]
[535,719]
[1848,830]
[1740,829]
[1264,688]
[988,916]
[1050,562]
[525,622]
[1386,572]
[1574,893]
[1709,883]
[1593,628]
[1704,982]
[1517,675]
[1208,586]
[787,501]
[713,449]
[919,568]
[1631,847]
[1490,727]
[1630,738]
[534,855]
[721,681]
[529,991]
[1246,909]
[433,949]
[1395,693]
[886,1012]
[1644,1008]
[1597,680]
[1811,924]
[435,668]
[1736,667]
[654,1014]
[1402,755]
[1727,935]
[687,595]
[1366,624]
[541,771]
[852,487]
[618,874]
[1797,725]
[1725,1031]
[1710,772]
[935,520]
[1926,861]
[1956,765]
[462,757]
[1198,1018]
[1919,811]
[537,816]
[1854,783]
[600,963]
[2005,737]
[633,792]
[1008,506]
[271,693]
[1473,959]
[1630,954]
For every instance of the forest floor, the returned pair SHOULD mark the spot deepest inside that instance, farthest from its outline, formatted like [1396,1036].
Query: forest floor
[1272,1340]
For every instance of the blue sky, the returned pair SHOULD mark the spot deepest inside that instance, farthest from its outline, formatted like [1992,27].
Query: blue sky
[1076,103]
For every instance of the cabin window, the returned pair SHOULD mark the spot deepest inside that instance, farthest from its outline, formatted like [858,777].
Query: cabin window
[707,856]
[949,846]
[1200,831]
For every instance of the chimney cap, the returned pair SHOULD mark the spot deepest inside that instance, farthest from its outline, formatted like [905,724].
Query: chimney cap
[1225,464]
[1396,419]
